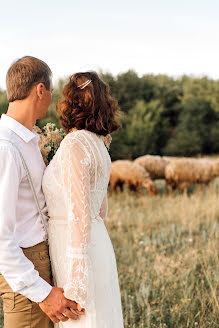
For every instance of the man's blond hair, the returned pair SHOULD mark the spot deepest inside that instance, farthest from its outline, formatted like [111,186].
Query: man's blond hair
[23,74]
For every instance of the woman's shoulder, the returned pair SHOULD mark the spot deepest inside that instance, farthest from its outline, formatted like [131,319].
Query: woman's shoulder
[82,135]
[78,139]
[71,137]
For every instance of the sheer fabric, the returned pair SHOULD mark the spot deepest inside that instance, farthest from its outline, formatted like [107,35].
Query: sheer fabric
[75,173]
[82,256]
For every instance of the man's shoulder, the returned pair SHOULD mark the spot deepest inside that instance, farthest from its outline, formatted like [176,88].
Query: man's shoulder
[7,140]
[5,132]
[8,134]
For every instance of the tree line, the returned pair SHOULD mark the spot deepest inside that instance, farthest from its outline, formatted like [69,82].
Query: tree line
[159,114]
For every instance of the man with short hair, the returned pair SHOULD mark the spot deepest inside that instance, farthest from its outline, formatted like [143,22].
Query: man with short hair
[29,300]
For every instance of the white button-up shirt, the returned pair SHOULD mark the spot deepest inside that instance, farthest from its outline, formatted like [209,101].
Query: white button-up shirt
[20,223]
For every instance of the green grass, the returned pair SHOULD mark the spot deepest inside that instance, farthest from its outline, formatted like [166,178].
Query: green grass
[167,251]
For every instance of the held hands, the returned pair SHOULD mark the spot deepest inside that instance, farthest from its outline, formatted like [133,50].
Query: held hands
[58,308]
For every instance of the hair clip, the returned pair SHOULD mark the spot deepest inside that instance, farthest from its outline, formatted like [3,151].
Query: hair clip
[83,85]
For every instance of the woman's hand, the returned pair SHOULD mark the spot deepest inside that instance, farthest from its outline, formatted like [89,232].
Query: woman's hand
[80,310]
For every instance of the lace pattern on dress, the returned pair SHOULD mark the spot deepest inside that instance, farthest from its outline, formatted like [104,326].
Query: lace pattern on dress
[75,173]
[83,260]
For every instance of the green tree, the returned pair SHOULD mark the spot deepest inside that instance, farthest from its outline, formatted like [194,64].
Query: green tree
[203,89]
[147,128]
[3,102]
[127,90]
[191,135]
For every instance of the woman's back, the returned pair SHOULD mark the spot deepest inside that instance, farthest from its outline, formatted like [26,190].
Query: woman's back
[80,146]
[82,256]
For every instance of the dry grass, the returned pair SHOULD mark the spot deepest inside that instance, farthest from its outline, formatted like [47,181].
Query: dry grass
[168,258]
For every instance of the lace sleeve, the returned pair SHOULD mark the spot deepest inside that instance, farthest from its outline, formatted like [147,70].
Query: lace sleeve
[75,168]
[104,208]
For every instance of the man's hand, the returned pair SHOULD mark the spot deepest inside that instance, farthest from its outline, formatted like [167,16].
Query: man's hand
[58,308]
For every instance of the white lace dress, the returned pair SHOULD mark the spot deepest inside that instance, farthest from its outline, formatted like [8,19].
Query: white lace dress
[82,256]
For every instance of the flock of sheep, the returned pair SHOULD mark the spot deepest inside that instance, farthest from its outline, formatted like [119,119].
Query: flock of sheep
[178,173]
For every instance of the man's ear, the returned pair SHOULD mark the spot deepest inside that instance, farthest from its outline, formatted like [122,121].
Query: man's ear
[40,88]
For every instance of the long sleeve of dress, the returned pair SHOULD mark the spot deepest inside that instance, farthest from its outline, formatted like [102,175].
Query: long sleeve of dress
[104,207]
[75,170]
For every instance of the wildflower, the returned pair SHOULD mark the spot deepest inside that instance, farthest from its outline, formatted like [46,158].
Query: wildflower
[107,140]
[50,139]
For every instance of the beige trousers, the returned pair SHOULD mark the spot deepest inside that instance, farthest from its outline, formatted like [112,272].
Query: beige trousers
[19,311]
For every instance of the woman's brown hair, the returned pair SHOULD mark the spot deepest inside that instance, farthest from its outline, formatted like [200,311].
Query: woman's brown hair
[91,108]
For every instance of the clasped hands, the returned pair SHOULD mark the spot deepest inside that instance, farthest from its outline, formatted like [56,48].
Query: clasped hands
[58,308]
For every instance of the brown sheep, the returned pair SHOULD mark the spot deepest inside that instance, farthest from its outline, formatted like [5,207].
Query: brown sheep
[155,165]
[184,172]
[132,174]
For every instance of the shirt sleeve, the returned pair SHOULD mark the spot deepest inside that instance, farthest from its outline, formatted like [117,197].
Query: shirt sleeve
[75,170]
[15,267]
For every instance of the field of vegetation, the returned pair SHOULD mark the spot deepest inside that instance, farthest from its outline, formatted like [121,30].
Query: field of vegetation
[168,257]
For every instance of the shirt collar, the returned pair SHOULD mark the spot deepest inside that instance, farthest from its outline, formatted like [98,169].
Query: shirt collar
[18,128]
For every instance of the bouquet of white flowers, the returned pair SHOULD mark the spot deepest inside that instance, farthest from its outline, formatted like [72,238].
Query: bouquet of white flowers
[50,139]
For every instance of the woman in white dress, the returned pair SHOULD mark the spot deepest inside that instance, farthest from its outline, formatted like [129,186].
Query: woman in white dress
[75,186]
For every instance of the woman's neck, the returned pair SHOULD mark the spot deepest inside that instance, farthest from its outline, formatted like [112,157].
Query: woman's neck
[72,130]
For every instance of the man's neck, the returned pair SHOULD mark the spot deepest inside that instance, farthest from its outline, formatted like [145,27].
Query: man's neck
[22,115]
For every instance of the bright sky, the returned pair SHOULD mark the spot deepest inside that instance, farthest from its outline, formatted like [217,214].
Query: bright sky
[150,36]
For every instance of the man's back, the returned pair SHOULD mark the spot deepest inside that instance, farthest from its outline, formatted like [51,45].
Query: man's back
[18,211]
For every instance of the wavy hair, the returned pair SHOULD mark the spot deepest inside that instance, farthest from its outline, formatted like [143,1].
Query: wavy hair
[91,108]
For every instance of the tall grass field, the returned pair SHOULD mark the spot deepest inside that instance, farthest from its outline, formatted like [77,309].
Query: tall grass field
[167,251]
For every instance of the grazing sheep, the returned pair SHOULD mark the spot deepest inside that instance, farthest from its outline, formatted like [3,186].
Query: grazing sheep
[184,172]
[132,174]
[155,165]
